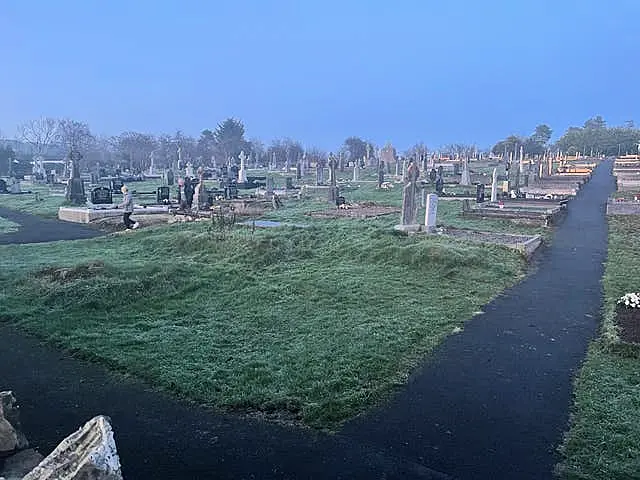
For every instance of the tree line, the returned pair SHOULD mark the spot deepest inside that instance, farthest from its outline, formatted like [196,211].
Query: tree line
[593,138]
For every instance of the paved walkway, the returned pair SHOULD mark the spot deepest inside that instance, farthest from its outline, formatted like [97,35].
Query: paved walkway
[492,402]
[35,229]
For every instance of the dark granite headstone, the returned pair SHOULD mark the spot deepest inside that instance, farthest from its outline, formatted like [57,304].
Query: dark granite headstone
[288,183]
[433,175]
[480,193]
[101,196]
[170,178]
[75,187]
[116,184]
[162,195]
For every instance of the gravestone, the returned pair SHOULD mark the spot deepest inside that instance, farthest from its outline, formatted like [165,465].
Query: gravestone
[319,174]
[431,212]
[333,163]
[494,186]
[303,167]
[333,189]
[75,187]
[170,178]
[298,171]
[189,170]
[388,156]
[269,186]
[439,185]
[433,175]
[288,185]
[116,184]
[242,173]
[356,173]
[162,195]
[465,178]
[480,193]
[101,196]
[409,192]
[3,186]
[380,174]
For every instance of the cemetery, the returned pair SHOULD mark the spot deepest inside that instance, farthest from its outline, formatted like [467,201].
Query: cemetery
[288,272]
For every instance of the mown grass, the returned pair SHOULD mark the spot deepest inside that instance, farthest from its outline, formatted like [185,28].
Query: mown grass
[7,226]
[604,438]
[312,325]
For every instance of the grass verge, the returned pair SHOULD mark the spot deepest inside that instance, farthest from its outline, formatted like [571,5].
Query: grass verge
[308,325]
[604,439]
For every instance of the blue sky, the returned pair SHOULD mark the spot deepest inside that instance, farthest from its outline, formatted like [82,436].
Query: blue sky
[319,71]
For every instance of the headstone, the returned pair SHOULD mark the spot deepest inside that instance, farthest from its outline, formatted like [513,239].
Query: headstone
[465,178]
[397,167]
[494,186]
[409,207]
[439,185]
[242,173]
[303,167]
[356,173]
[162,195]
[101,196]
[404,167]
[388,156]
[319,174]
[332,168]
[116,184]
[75,187]
[269,185]
[423,197]
[333,189]
[15,187]
[170,178]
[433,175]
[480,193]
[380,173]
[3,186]
[189,170]
[298,172]
[288,183]
[431,213]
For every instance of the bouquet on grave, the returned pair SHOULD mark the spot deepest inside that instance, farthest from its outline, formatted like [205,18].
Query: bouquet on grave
[630,300]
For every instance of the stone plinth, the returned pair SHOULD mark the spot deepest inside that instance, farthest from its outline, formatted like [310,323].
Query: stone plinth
[87,215]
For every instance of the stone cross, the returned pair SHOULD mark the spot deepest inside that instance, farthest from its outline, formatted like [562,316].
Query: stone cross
[409,206]
[242,173]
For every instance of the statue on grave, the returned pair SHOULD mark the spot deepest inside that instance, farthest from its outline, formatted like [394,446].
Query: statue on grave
[409,192]
[75,186]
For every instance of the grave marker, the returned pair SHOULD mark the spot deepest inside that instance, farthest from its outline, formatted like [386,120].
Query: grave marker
[431,213]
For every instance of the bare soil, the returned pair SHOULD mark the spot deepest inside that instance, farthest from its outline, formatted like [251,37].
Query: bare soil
[628,322]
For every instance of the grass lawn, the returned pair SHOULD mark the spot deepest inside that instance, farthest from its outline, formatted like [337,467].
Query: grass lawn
[7,226]
[604,439]
[308,325]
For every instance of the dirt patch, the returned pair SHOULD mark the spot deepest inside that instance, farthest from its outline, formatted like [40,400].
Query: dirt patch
[628,322]
[68,274]
[115,224]
[356,210]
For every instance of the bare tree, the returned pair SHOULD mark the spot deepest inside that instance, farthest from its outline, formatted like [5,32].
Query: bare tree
[39,133]
[74,135]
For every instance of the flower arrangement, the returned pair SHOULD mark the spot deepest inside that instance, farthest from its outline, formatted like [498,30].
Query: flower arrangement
[630,300]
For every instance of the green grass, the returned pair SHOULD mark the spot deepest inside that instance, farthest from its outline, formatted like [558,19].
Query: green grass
[7,226]
[314,325]
[41,202]
[604,439]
